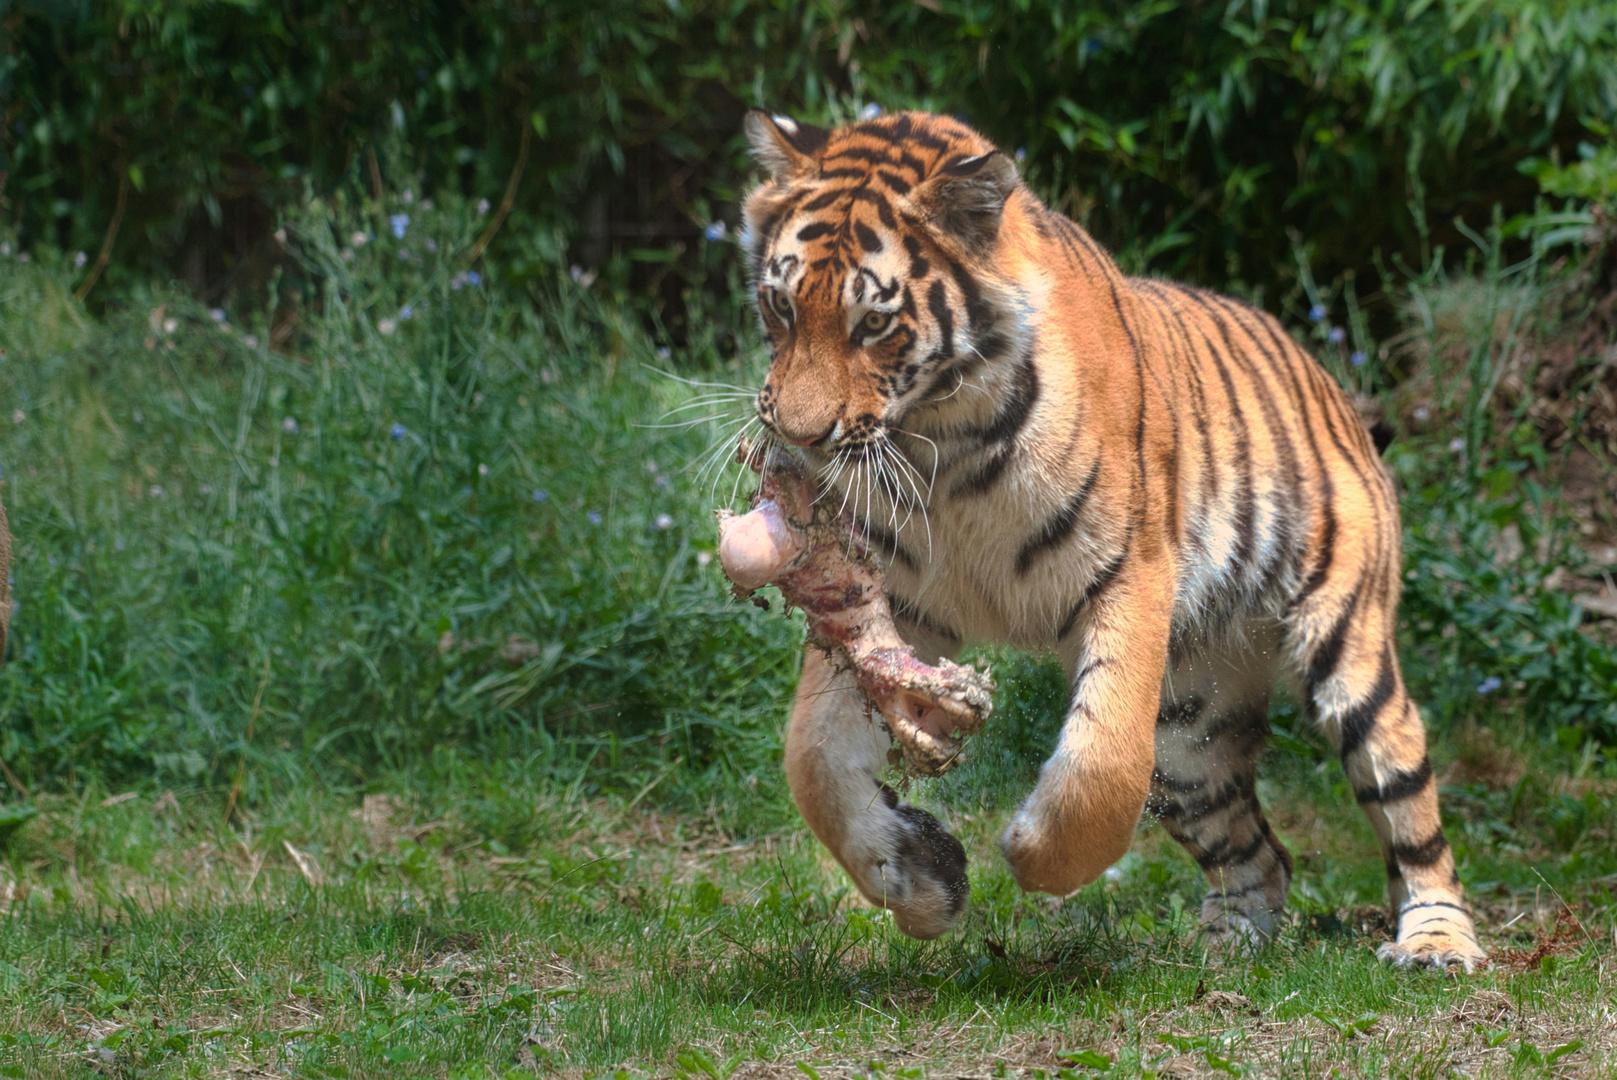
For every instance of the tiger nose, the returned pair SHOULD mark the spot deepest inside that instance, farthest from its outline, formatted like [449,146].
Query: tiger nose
[796,436]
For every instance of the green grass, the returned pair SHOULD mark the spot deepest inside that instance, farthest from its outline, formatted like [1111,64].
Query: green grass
[466,531]
[335,749]
[479,921]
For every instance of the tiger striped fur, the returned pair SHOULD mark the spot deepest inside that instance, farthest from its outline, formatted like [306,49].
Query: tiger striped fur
[1153,481]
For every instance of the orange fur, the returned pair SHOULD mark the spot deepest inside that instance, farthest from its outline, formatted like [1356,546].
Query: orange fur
[1154,482]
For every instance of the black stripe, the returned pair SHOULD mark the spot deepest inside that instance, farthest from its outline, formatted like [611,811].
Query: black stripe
[1017,405]
[815,231]
[1277,847]
[1322,664]
[918,265]
[1358,721]
[922,137]
[1219,854]
[937,301]
[1250,722]
[1198,400]
[1086,671]
[1401,785]
[977,310]
[1274,422]
[867,237]
[1433,903]
[1055,531]
[1176,785]
[824,199]
[1139,423]
[908,611]
[1425,853]
[885,543]
[1245,512]
[1105,577]
[858,153]
[983,479]
[1181,713]
[1075,258]
[1327,484]
[1235,793]
[899,185]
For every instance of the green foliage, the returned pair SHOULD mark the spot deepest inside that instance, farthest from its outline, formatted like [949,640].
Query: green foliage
[1197,139]
[445,521]
[1591,178]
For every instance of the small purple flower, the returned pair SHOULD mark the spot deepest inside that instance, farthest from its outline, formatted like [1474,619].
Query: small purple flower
[290,425]
[592,516]
[540,494]
[473,277]
[406,312]
[400,223]
[715,231]
[662,482]
[1317,313]
[217,314]
[1489,685]
[870,112]
[665,521]
[1337,335]
[52,560]
[1021,154]
[1357,358]
[398,431]
[664,353]
[118,544]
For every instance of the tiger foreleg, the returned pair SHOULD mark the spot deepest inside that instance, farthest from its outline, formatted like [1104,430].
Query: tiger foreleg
[899,856]
[1081,816]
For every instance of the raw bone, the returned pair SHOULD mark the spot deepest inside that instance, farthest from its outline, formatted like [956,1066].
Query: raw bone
[822,564]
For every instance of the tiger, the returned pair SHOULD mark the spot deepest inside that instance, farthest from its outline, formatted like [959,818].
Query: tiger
[1151,481]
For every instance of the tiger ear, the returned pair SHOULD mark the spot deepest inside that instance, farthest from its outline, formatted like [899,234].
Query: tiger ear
[781,145]
[966,199]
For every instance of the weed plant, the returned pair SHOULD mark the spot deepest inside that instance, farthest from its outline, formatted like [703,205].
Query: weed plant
[448,519]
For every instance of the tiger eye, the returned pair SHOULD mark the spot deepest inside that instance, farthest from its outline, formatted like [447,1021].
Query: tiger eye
[875,320]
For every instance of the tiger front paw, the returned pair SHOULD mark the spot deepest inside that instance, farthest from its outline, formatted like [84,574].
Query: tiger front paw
[916,870]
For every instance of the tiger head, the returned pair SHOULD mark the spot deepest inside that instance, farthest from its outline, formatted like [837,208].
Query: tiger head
[872,250]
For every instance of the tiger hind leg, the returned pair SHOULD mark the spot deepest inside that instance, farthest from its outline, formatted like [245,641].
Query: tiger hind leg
[1210,732]
[1355,691]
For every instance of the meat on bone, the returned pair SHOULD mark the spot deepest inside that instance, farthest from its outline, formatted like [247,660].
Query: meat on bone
[823,565]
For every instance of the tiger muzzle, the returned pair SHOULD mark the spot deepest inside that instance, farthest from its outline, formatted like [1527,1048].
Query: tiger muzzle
[802,419]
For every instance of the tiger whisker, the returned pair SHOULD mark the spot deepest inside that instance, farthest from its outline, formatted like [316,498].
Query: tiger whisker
[935,456]
[698,382]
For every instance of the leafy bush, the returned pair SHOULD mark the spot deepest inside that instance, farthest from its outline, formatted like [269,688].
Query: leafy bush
[1199,139]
